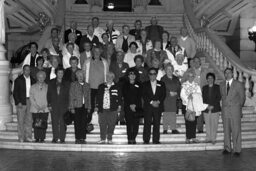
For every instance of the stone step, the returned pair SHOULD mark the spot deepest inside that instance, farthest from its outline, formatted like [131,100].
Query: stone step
[164,147]
[121,129]
[122,138]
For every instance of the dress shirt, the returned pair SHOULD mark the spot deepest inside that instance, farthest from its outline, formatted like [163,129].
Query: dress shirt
[28,85]
[153,85]
[52,74]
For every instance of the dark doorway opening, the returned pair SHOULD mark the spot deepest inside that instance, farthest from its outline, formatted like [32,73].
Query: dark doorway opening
[119,5]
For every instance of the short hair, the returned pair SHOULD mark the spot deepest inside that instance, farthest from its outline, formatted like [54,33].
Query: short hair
[79,71]
[110,73]
[59,69]
[210,74]
[133,43]
[197,58]
[168,65]
[228,68]
[55,29]
[136,21]
[125,26]
[41,73]
[45,50]
[97,18]
[33,43]
[173,37]
[166,32]
[152,69]
[139,57]
[104,34]
[73,58]
[69,43]
[25,66]
[39,58]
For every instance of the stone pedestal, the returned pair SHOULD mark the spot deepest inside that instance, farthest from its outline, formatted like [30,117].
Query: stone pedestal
[5,105]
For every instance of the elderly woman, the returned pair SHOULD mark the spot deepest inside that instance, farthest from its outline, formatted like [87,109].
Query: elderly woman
[180,67]
[212,97]
[132,52]
[108,105]
[39,67]
[39,106]
[80,105]
[165,40]
[172,85]
[132,103]
[70,52]
[191,96]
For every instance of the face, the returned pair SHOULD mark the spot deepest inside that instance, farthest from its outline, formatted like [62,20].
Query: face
[60,74]
[105,38]
[70,49]
[126,30]
[174,41]
[119,57]
[109,78]
[169,71]
[95,22]
[54,33]
[152,75]
[90,30]
[96,53]
[138,62]
[40,78]
[210,80]
[73,25]
[133,49]
[155,63]
[191,77]
[72,38]
[154,21]
[138,25]
[26,71]
[56,41]
[55,62]
[87,47]
[33,49]
[73,63]
[165,37]
[131,76]
[197,63]
[80,77]
[44,54]
[228,74]
[180,59]
[40,63]
[158,45]
[184,32]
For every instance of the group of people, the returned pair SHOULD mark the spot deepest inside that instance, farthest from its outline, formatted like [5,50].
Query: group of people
[123,76]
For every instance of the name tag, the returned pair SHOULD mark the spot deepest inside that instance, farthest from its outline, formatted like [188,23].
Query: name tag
[140,72]
[114,94]
[114,91]
[124,71]
[136,85]
[159,85]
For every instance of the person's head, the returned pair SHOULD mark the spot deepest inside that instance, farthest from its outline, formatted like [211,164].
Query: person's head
[73,61]
[126,29]
[153,21]
[80,76]
[110,48]
[96,51]
[26,70]
[138,60]
[173,41]
[191,63]
[143,34]
[73,25]
[110,25]
[59,71]
[45,53]
[95,22]
[133,47]
[131,74]
[228,73]
[54,61]
[157,44]
[90,30]
[183,32]
[138,24]
[155,63]
[179,58]
[169,69]
[41,75]
[70,47]
[54,33]
[110,77]
[152,72]
[191,75]
[87,46]
[39,61]
[55,41]
[105,37]
[119,56]
[72,37]
[197,62]
[33,47]
[165,36]
[210,77]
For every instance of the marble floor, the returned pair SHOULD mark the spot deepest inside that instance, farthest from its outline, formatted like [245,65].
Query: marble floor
[22,160]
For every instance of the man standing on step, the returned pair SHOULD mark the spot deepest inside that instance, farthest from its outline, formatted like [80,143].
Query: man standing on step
[21,97]
[233,98]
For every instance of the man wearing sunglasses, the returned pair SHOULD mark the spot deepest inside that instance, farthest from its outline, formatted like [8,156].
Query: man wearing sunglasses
[153,94]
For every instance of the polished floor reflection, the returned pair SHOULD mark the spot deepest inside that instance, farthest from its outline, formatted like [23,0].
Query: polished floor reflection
[21,160]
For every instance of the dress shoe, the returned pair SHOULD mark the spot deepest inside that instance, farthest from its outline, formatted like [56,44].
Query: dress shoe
[77,141]
[175,131]
[82,141]
[146,142]
[129,142]
[213,142]
[165,132]
[101,142]
[37,140]
[21,140]
[110,142]
[134,142]
[187,141]
[156,142]
[194,140]
[236,154]
[41,141]
[200,132]
[54,141]
[28,140]
[225,152]
[62,141]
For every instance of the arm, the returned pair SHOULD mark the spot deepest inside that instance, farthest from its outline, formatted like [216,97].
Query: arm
[163,93]
[49,95]
[193,47]
[16,92]
[241,94]
[89,97]
[32,98]
[71,96]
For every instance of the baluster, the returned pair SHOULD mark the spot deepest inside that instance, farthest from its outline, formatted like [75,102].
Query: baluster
[247,85]
[213,53]
[240,77]
[210,49]
[217,57]
[221,60]
[235,73]
[254,85]
[225,63]
[229,65]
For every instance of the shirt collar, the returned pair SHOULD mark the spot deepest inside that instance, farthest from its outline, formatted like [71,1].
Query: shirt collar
[230,81]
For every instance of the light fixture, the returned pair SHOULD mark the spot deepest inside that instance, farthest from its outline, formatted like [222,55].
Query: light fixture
[111,6]
[252,34]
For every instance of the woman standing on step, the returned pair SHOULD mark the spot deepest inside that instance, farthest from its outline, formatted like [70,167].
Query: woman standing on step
[39,106]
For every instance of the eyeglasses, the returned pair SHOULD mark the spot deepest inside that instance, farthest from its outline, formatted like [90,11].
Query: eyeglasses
[152,73]
[131,73]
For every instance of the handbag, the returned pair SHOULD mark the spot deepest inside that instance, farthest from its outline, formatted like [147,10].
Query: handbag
[89,128]
[68,118]
[190,115]
[40,123]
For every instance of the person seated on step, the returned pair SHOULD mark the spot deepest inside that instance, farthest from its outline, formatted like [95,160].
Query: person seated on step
[108,105]
[89,37]
[136,31]
[112,33]
[123,41]
[73,29]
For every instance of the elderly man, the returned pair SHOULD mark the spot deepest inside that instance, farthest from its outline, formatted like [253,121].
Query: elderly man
[154,31]
[123,41]
[73,29]
[89,37]
[112,33]
[98,31]
[136,31]
[233,98]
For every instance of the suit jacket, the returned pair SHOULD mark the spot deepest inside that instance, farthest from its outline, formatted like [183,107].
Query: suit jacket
[77,93]
[119,72]
[151,55]
[135,33]
[19,92]
[153,36]
[58,101]
[95,41]
[115,97]
[215,98]
[232,102]
[132,94]
[120,39]
[148,96]
[78,34]
[69,75]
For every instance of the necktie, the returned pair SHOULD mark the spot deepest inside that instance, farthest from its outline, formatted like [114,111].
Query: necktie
[125,44]
[228,87]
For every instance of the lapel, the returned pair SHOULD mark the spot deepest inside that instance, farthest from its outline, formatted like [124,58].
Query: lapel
[151,89]
[231,88]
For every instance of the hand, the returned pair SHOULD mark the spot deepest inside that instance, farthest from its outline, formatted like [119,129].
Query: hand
[119,109]
[19,105]
[155,104]
[72,111]
[50,108]
[173,93]
[210,107]
[132,107]
[96,109]
[88,110]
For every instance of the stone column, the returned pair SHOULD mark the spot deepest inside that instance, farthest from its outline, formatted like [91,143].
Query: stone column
[5,105]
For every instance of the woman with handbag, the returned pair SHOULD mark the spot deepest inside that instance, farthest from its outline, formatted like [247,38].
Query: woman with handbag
[39,107]
[132,105]
[191,96]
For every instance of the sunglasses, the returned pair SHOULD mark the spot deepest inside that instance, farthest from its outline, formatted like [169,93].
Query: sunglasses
[131,73]
[152,73]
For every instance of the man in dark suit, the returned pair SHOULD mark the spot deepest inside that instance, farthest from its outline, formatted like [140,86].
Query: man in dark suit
[73,29]
[21,97]
[136,31]
[89,37]
[154,31]
[233,98]
[58,100]
[153,94]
